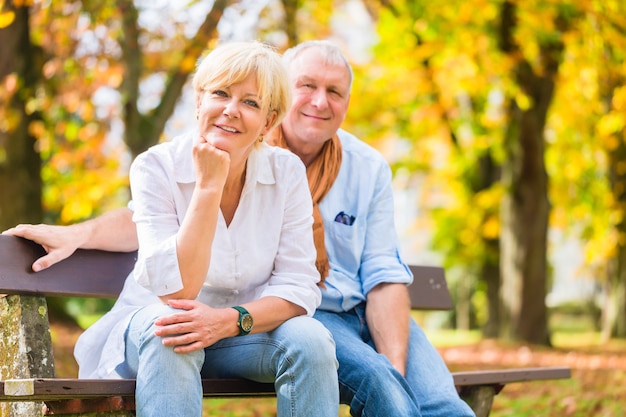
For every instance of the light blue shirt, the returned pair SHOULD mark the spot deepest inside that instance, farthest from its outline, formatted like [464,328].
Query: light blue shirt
[360,235]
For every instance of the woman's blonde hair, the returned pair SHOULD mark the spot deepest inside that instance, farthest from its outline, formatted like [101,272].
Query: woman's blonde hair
[232,62]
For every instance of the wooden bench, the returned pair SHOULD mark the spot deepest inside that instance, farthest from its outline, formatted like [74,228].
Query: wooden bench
[28,384]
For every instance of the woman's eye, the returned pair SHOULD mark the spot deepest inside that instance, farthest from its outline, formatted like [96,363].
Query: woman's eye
[220,93]
[252,103]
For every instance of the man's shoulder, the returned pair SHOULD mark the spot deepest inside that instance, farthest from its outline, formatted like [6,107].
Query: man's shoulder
[357,149]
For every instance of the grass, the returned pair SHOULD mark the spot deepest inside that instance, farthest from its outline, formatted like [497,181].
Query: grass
[597,387]
[248,407]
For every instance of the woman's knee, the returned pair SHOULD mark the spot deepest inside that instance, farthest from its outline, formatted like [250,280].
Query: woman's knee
[310,339]
[143,320]
[141,333]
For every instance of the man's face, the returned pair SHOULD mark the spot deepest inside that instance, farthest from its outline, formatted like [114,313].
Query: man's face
[321,93]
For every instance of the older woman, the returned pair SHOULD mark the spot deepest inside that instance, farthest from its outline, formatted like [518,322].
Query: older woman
[225,283]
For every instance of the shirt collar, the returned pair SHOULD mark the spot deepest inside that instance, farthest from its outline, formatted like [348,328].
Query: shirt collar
[259,168]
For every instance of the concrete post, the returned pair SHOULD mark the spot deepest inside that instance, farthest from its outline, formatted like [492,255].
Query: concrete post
[25,347]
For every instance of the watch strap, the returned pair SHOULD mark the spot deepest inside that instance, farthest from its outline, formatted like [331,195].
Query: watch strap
[242,314]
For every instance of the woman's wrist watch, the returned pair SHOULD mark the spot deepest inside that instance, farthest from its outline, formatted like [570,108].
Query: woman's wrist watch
[245,321]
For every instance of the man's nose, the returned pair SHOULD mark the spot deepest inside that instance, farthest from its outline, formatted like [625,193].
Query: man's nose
[319,98]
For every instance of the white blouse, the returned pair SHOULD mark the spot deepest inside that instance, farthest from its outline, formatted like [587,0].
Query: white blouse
[267,250]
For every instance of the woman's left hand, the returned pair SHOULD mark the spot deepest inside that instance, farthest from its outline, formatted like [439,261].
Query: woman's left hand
[196,326]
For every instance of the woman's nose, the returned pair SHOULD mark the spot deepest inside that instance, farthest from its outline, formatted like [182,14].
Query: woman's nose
[231,110]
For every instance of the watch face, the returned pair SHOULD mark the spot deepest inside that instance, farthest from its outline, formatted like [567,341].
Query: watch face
[246,323]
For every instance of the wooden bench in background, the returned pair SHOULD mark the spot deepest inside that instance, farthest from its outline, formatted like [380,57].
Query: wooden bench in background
[27,376]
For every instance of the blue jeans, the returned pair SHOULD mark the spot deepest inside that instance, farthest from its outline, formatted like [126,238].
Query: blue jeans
[298,356]
[372,387]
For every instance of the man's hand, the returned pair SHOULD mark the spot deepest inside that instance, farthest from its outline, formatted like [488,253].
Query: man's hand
[58,241]
[197,327]
[113,231]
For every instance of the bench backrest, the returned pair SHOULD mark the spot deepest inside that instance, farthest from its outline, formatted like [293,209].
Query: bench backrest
[95,273]
[87,273]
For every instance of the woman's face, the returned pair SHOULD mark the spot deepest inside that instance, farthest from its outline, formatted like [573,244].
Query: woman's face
[231,117]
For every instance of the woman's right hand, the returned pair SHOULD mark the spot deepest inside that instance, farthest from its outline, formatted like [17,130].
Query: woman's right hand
[195,326]
[210,163]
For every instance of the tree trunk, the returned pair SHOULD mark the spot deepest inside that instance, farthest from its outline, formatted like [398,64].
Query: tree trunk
[20,163]
[491,275]
[525,206]
[20,202]
[145,130]
[291,24]
[614,309]
[525,210]
[487,174]
[463,304]
[614,312]
[614,318]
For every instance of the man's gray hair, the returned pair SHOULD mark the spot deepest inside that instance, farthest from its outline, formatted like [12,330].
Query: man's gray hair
[329,51]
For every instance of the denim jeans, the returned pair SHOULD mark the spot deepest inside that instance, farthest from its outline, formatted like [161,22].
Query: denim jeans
[298,356]
[373,388]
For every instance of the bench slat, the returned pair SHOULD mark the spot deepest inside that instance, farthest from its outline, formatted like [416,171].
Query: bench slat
[87,273]
[504,376]
[108,270]
[54,389]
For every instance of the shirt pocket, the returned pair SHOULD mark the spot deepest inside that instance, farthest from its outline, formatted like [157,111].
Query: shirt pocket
[345,244]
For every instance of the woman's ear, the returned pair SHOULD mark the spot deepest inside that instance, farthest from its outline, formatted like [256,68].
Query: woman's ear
[199,95]
[269,122]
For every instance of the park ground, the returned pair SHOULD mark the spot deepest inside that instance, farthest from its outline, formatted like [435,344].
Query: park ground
[597,386]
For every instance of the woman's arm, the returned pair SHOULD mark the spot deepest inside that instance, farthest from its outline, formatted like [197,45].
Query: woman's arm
[176,228]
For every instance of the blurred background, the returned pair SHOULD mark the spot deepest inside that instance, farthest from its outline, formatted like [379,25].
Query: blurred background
[504,122]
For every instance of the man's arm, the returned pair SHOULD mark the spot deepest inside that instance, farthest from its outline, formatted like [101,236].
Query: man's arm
[387,315]
[112,231]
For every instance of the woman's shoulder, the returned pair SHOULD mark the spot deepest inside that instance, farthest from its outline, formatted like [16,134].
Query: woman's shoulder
[273,164]
[281,157]
[171,155]
[173,148]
